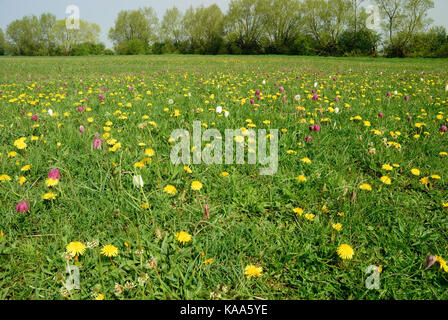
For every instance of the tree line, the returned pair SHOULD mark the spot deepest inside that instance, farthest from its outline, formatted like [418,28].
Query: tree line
[295,27]
[46,36]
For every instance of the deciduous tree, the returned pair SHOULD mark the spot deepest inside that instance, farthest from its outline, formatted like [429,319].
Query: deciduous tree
[134,25]
[244,24]
[67,39]
[2,43]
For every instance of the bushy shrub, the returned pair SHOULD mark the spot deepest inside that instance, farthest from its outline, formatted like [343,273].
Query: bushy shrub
[131,47]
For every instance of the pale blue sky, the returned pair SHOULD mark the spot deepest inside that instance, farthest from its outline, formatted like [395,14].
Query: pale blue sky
[104,12]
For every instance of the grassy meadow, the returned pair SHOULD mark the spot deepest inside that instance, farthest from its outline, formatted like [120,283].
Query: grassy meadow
[373,176]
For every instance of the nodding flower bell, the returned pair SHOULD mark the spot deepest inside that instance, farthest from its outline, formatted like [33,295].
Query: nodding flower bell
[81,129]
[137,181]
[308,139]
[96,143]
[443,129]
[54,174]
[22,207]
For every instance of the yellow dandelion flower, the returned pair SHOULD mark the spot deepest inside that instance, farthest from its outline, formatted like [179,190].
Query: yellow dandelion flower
[366,187]
[224,174]
[99,296]
[22,180]
[253,271]
[306,160]
[301,178]
[26,168]
[49,196]
[139,165]
[337,226]
[309,216]
[424,181]
[387,167]
[170,189]
[298,211]
[149,152]
[76,248]
[115,147]
[5,177]
[144,206]
[442,262]
[183,237]
[386,180]
[20,143]
[436,177]
[196,185]
[187,169]
[239,139]
[109,251]
[345,252]
[208,261]
[415,172]
[50,182]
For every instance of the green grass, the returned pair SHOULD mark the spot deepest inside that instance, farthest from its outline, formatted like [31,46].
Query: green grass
[251,217]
